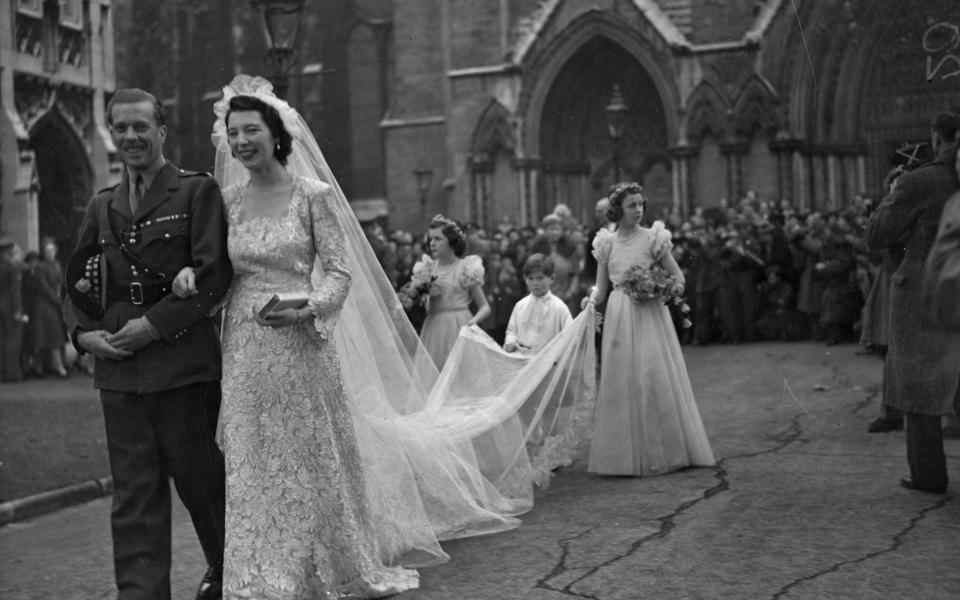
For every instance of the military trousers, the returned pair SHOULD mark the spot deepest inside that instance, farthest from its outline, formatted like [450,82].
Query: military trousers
[153,438]
[928,462]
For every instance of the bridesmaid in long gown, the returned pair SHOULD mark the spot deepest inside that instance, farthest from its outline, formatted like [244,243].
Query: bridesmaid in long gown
[297,524]
[647,421]
[459,281]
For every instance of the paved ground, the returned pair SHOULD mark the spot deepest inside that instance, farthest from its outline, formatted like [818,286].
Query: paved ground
[51,435]
[805,505]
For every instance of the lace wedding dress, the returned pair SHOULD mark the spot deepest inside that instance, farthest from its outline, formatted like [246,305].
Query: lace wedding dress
[346,449]
[297,522]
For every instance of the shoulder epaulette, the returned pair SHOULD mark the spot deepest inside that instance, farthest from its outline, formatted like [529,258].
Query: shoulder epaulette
[186,173]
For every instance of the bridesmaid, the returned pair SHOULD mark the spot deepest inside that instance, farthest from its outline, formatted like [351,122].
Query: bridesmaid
[458,283]
[647,421]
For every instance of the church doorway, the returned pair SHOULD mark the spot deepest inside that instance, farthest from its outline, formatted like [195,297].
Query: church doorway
[580,159]
[64,176]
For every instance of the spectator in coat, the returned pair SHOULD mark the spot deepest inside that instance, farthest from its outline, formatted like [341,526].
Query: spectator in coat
[48,332]
[12,317]
[924,359]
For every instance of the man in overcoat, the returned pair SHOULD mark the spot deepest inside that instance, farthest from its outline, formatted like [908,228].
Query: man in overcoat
[923,360]
[157,357]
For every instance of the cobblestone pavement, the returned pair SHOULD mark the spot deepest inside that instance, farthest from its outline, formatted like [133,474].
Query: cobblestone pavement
[804,505]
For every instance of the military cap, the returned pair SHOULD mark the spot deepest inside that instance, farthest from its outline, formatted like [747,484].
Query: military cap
[86,281]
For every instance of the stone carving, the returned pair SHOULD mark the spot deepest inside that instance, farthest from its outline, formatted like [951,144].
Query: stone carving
[33,98]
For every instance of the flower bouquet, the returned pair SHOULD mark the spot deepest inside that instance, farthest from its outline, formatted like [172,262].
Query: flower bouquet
[642,284]
[417,290]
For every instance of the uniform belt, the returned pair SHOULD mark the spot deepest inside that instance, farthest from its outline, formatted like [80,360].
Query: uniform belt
[138,293]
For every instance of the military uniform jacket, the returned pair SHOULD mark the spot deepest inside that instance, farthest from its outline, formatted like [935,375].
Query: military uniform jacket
[923,358]
[180,222]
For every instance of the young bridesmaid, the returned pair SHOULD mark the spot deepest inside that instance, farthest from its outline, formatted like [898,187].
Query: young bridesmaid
[457,282]
[647,421]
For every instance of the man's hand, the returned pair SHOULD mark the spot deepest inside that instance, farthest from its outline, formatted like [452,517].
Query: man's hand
[97,343]
[133,336]
[510,347]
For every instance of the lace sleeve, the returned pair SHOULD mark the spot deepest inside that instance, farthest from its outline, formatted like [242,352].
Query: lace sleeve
[602,245]
[662,240]
[471,272]
[331,288]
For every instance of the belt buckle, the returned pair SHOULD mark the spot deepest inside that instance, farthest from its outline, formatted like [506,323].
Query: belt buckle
[136,293]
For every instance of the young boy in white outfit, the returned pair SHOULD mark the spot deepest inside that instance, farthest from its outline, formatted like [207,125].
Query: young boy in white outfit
[539,316]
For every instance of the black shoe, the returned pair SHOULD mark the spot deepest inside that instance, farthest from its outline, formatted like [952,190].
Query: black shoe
[881,425]
[211,586]
[908,483]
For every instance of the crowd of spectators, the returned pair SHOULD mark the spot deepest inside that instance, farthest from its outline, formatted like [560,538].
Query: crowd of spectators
[755,270]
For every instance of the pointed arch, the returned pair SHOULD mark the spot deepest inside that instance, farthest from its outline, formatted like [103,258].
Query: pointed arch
[65,175]
[706,114]
[494,132]
[543,64]
[756,108]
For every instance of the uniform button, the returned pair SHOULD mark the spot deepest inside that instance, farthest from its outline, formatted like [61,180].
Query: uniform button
[166,236]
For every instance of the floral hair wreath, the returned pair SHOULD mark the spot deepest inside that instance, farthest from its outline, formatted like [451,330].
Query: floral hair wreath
[621,190]
[256,87]
[448,222]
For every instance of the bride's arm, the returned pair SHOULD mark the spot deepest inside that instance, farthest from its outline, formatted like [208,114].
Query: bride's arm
[329,242]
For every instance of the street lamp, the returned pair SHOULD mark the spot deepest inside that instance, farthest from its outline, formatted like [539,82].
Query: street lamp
[616,120]
[281,23]
[424,182]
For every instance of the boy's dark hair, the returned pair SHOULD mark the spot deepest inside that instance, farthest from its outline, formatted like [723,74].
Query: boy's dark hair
[538,263]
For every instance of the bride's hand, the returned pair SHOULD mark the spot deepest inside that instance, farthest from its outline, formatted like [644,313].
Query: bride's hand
[284,318]
[185,283]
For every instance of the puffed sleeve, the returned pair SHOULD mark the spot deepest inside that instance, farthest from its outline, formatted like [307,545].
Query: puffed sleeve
[330,290]
[603,245]
[471,272]
[662,240]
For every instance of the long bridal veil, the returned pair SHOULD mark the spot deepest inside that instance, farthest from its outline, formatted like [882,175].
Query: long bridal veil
[445,454]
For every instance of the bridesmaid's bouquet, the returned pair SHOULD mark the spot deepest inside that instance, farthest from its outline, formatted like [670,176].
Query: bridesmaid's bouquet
[422,279]
[642,284]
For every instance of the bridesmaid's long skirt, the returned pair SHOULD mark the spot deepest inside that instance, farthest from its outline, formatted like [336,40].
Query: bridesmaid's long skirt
[647,420]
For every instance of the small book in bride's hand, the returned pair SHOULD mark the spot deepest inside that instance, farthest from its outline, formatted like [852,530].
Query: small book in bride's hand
[283,301]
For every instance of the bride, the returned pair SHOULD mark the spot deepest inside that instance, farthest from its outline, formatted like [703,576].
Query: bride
[347,453]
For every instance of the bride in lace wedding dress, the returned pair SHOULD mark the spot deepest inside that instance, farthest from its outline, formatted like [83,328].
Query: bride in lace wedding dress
[349,456]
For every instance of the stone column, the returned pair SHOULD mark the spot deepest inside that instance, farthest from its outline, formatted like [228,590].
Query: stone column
[734,151]
[786,148]
[529,170]
[681,156]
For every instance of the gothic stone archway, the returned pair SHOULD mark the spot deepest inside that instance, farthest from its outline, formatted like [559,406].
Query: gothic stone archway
[574,169]
[65,177]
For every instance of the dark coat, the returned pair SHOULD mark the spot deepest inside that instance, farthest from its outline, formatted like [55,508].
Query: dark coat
[45,286]
[942,277]
[841,302]
[179,222]
[923,360]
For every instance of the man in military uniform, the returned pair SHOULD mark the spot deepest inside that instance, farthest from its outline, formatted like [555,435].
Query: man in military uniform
[157,357]
[923,359]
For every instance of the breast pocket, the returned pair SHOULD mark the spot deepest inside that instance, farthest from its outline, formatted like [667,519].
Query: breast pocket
[166,244]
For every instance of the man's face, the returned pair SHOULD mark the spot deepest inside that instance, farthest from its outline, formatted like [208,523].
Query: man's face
[138,137]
